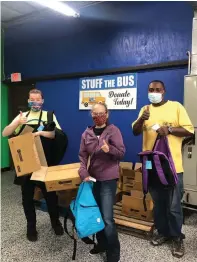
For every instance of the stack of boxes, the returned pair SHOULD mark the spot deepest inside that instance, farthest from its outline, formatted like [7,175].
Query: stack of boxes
[130,184]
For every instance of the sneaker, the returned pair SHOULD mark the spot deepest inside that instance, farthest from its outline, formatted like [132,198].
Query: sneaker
[32,234]
[158,240]
[178,249]
[96,250]
[58,229]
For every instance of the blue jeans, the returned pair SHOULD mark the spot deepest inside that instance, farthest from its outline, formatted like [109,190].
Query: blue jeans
[168,215]
[104,193]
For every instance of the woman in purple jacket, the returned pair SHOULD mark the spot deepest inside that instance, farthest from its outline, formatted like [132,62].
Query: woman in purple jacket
[104,145]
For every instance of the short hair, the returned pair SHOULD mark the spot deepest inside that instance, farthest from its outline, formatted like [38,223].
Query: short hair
[36,91]
[158,81]
[103,104]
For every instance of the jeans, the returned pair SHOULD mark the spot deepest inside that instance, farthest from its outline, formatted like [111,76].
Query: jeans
[104,193]
[168,214]
[28,203]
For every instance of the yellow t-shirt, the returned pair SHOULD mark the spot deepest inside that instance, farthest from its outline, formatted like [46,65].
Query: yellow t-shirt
[34,116]
[170,114]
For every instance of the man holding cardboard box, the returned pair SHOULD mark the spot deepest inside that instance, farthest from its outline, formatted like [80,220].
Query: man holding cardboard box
[165,118]
[36,120]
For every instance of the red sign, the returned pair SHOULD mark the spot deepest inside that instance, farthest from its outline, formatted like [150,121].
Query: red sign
[16,77]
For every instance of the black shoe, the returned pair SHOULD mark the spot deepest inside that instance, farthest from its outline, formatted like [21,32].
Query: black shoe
[58,229]
[32,234]
[158,240]
[96,250]
[178,249]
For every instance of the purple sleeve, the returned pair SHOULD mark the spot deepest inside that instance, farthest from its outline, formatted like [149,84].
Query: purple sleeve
[116,145]
[83,157]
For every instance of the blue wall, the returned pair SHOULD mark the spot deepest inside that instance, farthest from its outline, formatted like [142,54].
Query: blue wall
[62,96]
[164,37]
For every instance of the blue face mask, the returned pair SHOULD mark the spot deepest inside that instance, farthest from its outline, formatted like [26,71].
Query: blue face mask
[35,106]
[155,98]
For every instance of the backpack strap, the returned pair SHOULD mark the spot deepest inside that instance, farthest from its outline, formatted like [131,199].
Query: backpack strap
[71,236]
[50,116]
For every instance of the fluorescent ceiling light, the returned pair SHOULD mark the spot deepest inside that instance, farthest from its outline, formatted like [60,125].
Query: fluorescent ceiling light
[59,7]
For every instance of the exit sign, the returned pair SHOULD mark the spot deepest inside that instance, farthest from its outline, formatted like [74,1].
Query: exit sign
[16,77]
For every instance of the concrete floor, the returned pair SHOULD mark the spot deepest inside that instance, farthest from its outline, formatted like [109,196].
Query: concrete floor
[50,248]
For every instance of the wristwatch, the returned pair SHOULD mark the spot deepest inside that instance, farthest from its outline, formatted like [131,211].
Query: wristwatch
[170,130]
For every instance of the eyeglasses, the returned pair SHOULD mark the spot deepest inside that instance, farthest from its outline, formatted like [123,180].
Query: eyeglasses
[98,114]
[155,90]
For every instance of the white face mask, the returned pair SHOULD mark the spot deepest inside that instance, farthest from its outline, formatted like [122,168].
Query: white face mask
[155,98]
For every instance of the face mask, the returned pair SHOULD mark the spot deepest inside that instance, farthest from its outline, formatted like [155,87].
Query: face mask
[155,98]
[100,120]
[35,106]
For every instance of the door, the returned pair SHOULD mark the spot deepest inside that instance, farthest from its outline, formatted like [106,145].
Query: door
[18,96]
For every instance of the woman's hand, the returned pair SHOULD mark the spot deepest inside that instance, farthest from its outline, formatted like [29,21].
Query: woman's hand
[87,179]
[105,147]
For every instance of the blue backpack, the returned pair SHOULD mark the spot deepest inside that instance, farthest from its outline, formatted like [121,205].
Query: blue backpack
[85,216]
[88,219]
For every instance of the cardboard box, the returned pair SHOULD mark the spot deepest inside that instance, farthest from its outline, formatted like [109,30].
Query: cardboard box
[59,178]
[27,154]
[132,176]
[28,157]
[139,194]
[126,165]
[133,206]
[132,186]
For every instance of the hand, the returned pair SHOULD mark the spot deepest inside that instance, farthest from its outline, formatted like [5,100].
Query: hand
[105,147]
[39,133]
[146,114]
[22,119]
[87,179]
[163,131]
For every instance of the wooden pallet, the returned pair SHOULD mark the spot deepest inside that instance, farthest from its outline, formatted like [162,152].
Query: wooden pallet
[132,226]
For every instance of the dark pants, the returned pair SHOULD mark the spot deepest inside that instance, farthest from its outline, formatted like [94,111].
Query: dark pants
[104,193]
[168,213]
[28,203]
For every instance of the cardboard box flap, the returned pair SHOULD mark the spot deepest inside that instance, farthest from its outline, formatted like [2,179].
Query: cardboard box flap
[26,130]
[40,151]
[63,167]
[23,153]
[40,175]
[138,166]
[126,165]
[61,173]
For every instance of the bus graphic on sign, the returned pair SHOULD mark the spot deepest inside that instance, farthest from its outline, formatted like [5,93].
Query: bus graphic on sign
[91,98]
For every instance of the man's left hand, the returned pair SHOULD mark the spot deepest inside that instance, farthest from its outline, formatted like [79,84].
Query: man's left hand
[163,131]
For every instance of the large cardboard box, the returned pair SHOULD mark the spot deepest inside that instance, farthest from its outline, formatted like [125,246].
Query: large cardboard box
[28,157]
[133,206]
[27,154]
[57,178]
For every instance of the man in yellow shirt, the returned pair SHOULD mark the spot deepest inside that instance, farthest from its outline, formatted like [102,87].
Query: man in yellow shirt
[166,118]
[36,118]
